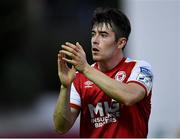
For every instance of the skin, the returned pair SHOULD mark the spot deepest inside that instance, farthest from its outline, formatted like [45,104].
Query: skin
[107,53]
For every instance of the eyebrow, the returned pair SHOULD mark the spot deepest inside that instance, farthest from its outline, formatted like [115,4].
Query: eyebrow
[105,32]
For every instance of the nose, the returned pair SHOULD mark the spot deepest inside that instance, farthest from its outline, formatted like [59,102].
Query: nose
[95,39]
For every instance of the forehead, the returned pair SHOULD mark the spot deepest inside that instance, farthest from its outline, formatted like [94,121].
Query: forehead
[102,27]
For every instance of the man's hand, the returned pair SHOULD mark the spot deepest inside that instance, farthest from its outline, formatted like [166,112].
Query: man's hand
[76,54]
[66,75]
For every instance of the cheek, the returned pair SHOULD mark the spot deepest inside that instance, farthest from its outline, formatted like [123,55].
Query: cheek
[109,48]
[109,52]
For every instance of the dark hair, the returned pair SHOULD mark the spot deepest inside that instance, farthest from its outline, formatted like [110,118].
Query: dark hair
[118,21]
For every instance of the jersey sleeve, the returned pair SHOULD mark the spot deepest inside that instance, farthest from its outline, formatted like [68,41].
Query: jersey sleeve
[142,74]
[75,100]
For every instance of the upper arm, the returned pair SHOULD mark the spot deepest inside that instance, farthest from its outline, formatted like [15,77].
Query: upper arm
[142,76]
[140,81]
[75,114]
[75,102]
[138,92]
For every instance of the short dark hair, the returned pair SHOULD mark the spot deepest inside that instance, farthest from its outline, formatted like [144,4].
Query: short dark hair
[118,21]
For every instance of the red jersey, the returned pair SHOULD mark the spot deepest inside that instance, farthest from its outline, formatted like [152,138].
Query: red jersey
[101,116]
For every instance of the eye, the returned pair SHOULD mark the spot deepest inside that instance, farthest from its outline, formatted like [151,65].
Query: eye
[92,33]
[104,35]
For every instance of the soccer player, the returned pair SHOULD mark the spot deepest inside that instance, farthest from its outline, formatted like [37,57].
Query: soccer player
[113,95]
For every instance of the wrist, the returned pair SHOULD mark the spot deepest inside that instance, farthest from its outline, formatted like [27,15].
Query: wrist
[65,87]
[86,69]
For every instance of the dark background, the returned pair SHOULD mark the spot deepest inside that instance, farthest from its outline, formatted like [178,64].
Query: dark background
[31,32]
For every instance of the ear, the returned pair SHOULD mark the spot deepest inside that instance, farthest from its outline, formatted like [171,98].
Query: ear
[122,42]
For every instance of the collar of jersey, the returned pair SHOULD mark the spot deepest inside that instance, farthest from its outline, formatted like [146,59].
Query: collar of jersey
[120,63]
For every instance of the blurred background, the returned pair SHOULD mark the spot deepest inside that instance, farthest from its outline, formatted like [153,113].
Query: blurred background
[31,32]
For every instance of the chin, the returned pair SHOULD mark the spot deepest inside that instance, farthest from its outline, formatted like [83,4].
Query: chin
[96,59]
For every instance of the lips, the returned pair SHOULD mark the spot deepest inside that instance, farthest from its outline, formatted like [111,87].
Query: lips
[95,49]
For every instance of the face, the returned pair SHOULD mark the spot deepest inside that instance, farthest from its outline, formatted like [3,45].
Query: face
[104,46]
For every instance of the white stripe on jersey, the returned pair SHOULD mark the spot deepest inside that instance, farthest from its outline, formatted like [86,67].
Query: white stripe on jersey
[74,96]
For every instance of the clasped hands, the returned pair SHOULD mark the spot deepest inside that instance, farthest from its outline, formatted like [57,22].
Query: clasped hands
[74,55]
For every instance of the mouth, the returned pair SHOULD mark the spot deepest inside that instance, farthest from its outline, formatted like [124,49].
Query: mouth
[95,49]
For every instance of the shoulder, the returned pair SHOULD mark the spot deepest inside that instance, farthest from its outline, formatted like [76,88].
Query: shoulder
[142,74]
[141,64]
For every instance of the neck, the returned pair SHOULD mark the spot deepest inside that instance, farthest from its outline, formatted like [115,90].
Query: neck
[109,64]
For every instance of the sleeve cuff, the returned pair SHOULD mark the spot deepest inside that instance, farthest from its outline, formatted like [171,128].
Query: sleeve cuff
[75,106]
[146,91]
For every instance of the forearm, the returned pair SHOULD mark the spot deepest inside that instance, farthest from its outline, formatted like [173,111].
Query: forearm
[116,90]
[62,114]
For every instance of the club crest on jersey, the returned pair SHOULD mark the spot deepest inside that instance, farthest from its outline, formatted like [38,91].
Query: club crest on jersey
[88,84]
[120,76]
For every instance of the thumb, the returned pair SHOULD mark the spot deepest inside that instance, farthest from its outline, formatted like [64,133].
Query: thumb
[78,45]
[73,68]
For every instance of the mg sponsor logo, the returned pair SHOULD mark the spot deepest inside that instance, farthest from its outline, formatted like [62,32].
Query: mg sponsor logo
[103,113]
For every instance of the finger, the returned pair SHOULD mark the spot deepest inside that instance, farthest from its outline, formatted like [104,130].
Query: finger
[69,49]
[73,68]
[58,61]
[71,45]
[69,54]
[70,61]
[79,46]
[61,63]
[59,58]
[74,47]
